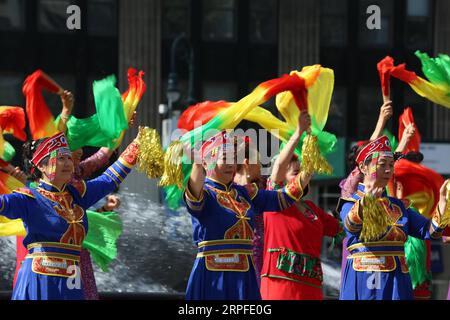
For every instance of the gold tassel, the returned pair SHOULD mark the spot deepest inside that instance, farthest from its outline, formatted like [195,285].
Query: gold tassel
[375,219]
[151,155]
[445,219]
[312,160]
[173,173]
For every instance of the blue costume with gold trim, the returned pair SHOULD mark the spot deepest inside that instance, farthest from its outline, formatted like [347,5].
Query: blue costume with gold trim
[56,224]
[222,222]
[377,270]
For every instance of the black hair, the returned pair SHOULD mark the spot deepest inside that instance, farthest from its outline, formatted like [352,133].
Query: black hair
[28,149]
[413,156]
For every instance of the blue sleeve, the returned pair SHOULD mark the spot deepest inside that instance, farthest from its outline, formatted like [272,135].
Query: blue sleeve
[350,218]
[196,206]
[14,206]
[418,225]
[106,183]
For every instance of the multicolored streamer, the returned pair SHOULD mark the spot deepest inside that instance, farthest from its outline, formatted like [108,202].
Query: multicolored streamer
[12,121]
[437,89]
[311,88]
[104,128]
[40,119]
[384,70]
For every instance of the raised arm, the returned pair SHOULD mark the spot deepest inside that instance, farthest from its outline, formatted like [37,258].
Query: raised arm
[15,172]
[14,205]
[107,182]
[282,162]
[95,162]
[99,159]
[196,181]
[409,132]
[67,101]
[385,115]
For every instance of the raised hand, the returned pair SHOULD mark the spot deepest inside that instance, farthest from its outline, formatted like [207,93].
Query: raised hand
[304,121]
[112,203]
[67,100]
[410,130]
[386,111]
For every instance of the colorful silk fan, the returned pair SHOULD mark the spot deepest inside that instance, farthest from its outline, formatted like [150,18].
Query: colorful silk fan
[40,119]
[104,127]
[384,70]
[226,115]
[12,120]
[316,143]
[132,96]
[420,184]
[437,89]
[8,153]
[136,88]
[176,163]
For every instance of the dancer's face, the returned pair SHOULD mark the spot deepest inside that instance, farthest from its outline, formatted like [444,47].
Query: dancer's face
[225,168]
[379,172]
[63,169]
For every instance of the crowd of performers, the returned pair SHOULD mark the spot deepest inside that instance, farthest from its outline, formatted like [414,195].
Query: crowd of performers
[258,237]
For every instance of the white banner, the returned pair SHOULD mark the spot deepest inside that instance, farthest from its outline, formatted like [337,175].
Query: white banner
[436,156]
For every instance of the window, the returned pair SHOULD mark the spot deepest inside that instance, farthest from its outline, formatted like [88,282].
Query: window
[102,18]
[368,107]
[422,111]
[11,89]
[336,122]
[418,8]
[376,37]
[418,24]
[12,14]
[333,23]
[219,22]
[215,91]
[175,18]
[263,21]
[52,16]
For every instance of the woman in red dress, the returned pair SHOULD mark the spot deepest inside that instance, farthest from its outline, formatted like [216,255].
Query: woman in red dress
[293,237]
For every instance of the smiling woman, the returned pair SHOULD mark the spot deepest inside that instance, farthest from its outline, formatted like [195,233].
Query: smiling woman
[377,228]
[55,220]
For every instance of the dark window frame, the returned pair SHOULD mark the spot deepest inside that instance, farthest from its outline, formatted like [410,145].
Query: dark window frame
[236,56]
[25,51]
[349,63]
